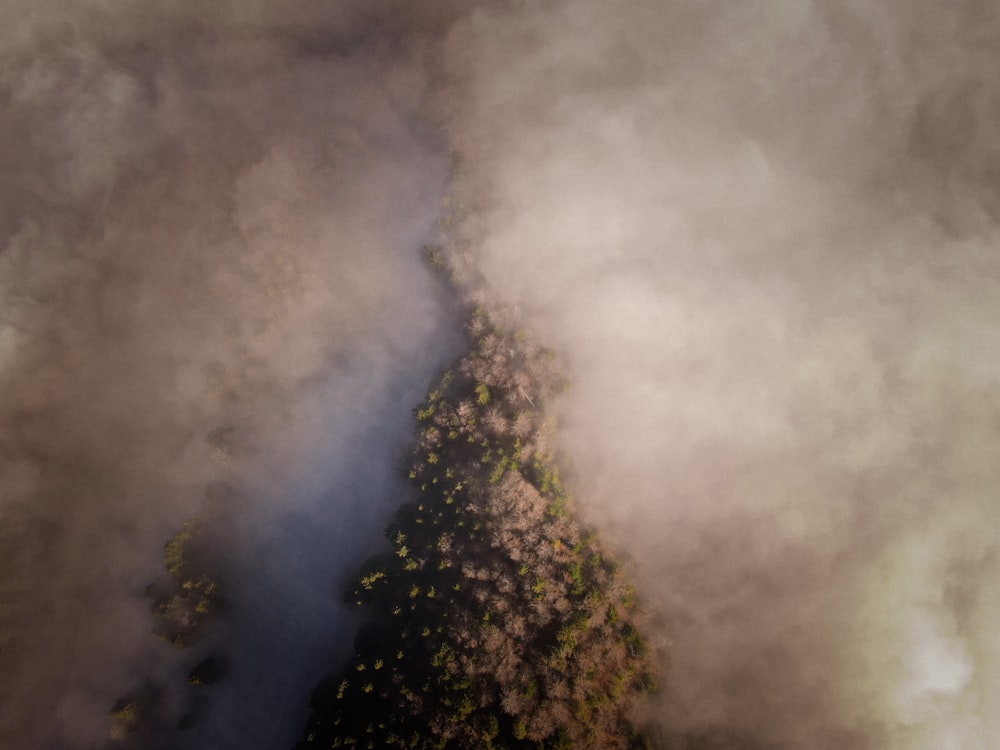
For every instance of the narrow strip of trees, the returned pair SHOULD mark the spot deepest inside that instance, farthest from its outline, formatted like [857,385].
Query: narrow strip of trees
[499,621]
[186,601]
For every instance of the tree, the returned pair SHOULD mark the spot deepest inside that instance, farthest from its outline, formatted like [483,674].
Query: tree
[498,619]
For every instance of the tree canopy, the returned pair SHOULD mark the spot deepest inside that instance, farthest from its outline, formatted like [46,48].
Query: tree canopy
[499,620]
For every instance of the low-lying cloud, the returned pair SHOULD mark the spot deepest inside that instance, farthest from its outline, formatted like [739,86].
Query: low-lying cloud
[762,237]
[210,273]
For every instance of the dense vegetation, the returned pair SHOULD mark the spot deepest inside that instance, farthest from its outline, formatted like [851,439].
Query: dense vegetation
[190,594]
[499,621]
[186,600]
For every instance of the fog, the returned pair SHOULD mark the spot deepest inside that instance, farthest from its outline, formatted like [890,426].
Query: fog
[764,236]
[761,235]
[211,273]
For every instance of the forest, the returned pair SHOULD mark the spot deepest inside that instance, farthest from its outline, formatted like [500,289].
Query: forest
[495,617]
[187,602]
[498,620]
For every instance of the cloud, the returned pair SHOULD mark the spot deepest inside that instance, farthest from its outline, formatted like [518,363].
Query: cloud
[210,271]
[763,237]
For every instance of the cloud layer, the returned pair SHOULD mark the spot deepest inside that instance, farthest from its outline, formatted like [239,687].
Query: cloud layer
[762,236]
[765,239]
[210,272]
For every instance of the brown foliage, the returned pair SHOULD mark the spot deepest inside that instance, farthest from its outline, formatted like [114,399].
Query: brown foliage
[503,622]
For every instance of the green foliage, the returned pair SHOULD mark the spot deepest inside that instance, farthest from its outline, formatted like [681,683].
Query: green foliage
[434,257]
[208,671]
[190,593]
[177,550]
[127,712]
[130,713]
[498,621]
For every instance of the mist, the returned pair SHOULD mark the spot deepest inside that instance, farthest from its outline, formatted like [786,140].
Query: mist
[761,236]
[211,273]
[764,237]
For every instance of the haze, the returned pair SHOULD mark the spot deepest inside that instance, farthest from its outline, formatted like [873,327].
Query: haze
[761,235]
